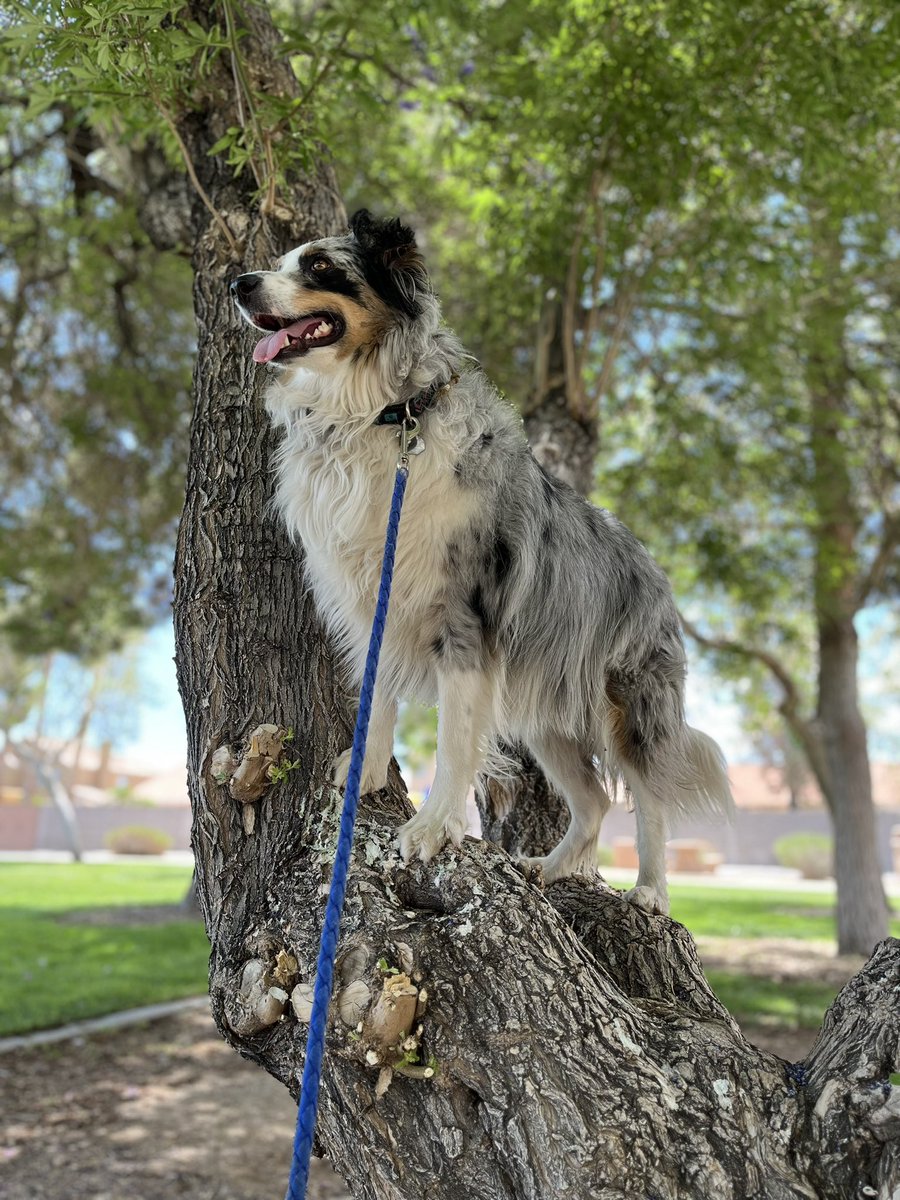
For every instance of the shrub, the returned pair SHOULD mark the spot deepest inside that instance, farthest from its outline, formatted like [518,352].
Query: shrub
[137,839]
[812,854]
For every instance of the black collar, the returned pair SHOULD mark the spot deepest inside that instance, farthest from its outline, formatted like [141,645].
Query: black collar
[396,414]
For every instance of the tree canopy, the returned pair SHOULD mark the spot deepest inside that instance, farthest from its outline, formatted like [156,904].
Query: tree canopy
[94,377]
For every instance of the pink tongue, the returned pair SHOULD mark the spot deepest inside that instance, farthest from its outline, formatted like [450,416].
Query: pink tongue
[267,349]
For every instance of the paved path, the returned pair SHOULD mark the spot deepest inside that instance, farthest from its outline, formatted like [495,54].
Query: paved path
[117,1020]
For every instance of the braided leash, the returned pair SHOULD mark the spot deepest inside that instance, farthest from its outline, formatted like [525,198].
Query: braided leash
[315,1041]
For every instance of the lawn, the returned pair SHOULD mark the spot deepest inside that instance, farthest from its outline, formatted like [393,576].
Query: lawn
[749,913]
[63,961]
[799,1004]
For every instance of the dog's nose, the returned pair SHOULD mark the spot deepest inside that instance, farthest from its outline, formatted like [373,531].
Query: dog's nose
[242,287]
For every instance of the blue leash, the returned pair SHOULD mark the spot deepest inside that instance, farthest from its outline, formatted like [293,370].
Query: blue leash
[315,1041]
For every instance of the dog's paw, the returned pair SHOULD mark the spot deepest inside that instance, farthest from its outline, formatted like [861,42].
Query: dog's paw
[371,780]
[649,900]
[532,869]
[424,835]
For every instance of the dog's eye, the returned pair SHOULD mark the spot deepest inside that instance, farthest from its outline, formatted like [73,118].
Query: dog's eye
[321,264]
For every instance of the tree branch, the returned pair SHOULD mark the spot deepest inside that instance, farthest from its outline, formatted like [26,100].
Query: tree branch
[875,576]
[730,646]
[789,707]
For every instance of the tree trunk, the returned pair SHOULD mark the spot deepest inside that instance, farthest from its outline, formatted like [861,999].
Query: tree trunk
[845,778]
[50,779]
[522,813]
[862,913]
[568,1044]
[190,902]
[563,441]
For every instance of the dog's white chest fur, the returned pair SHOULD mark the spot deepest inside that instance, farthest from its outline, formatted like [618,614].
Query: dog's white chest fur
[335,496]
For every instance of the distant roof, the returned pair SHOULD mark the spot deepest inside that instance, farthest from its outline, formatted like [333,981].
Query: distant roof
[169,788]
[756,785]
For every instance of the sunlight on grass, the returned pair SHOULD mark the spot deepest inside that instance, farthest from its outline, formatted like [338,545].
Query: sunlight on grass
[62,887]
[60,968]
[751,913]
[57,971]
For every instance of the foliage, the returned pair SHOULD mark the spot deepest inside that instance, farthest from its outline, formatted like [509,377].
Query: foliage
[641,162]
[63,965]
[812,854]
[605,856]
[279,772]
[93,400]
[417,738]
[137,839]
[691,203]
[678,182]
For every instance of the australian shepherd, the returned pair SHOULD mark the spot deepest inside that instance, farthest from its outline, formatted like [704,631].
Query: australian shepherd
[523,611]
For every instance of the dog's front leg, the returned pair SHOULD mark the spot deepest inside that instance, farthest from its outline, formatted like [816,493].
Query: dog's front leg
[465,700]
[379,746]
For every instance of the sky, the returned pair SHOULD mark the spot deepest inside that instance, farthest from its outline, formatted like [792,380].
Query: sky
[161,737]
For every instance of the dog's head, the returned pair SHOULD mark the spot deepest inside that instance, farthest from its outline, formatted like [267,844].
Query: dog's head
[335,299]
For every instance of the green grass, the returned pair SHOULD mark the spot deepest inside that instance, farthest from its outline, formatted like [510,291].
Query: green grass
[55,971]
[750,913]
[750,1000]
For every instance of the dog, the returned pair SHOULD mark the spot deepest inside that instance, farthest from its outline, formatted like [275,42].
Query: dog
[523,611]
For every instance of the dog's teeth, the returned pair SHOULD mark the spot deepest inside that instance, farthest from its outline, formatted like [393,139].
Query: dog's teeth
[325,328]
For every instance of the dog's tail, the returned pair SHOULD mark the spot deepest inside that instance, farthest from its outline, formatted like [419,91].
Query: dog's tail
[686,774]
[656,751]
[702,783]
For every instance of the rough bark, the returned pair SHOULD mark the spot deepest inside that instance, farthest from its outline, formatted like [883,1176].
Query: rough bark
[523,813]
[568,1044]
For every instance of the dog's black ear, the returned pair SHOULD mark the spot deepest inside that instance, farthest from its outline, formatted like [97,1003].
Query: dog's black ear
[390,238]
[395,267]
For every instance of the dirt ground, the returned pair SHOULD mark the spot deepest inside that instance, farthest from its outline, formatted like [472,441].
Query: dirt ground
[166,1110]
[154,1112]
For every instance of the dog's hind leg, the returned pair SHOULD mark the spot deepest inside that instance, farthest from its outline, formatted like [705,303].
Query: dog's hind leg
[650,892]
[572,770]
[465,708]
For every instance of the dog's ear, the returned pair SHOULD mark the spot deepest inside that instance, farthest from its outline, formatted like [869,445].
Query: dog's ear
[396,267]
